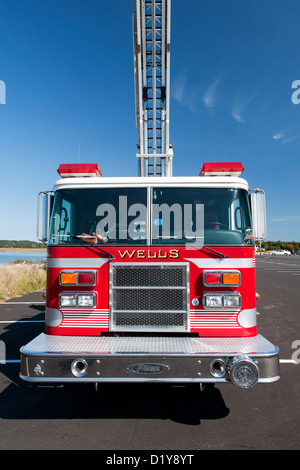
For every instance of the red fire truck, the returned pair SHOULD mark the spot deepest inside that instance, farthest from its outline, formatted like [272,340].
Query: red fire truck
[151,278]
[136,302]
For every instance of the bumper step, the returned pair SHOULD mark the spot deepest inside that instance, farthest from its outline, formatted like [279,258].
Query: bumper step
[140,359]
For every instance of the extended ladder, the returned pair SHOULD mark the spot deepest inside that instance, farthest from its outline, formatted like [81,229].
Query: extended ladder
[151,31]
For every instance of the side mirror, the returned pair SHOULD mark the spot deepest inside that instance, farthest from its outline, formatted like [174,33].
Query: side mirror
[45,202]
[258,212]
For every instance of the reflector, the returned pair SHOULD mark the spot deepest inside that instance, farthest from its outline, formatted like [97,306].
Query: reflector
[85,278]
[213,278]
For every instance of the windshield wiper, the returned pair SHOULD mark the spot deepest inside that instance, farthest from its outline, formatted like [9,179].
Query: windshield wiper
[175,237]
[82,238]
[216,252]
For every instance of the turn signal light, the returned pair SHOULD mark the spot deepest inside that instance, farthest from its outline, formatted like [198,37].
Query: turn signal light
[77,278]
[68,278]
[231,279]
[222,278]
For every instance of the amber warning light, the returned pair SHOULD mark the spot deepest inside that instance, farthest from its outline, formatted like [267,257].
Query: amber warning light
[221,169]
[74,278]
[68,170]
[222,278]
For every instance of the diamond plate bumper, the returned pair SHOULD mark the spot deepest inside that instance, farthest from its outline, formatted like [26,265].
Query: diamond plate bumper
[143,358]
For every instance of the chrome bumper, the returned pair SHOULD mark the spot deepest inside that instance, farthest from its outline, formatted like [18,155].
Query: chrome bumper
[146,359]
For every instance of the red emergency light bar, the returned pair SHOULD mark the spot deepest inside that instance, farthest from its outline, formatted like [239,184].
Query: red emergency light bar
[222,169]
[68,170]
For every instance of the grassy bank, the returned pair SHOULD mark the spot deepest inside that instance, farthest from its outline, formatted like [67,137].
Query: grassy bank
[21,278]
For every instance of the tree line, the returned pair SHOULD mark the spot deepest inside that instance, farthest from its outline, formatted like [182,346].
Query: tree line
[267,245]
[279,245]
[20,244]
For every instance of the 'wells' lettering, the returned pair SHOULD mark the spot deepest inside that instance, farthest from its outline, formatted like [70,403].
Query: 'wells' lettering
[126,252]
[149,254]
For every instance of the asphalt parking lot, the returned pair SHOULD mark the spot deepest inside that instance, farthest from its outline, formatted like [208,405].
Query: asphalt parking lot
[157,416]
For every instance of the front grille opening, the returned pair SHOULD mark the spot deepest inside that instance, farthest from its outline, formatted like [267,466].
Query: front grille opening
[148,334]
[150,319]
[154,276]
[149,297]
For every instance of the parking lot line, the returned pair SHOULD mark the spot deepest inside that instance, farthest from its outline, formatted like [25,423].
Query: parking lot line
[10,361]
[22,321]
[289,271]
[284,264]
[23,303]
[287,361]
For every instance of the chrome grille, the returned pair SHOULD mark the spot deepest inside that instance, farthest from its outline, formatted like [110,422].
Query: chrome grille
[149,297]
[150,276]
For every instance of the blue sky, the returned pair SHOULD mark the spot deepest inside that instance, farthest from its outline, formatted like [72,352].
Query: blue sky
[68,73]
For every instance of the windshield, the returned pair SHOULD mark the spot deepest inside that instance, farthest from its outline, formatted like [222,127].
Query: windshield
[117,216]
[178,216]
[200,216]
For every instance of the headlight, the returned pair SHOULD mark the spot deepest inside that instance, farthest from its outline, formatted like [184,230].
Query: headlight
[68,300]
[80,300]
[221,300]
[86,300]
[232,301]
[213,300]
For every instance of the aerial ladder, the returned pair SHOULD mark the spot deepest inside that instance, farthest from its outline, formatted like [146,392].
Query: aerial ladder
[151,31]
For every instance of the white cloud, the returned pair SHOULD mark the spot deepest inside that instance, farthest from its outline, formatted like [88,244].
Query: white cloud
[178,89]
[210,96]
[279,135]
[283,138]
[239,106]
[289,139]
[184,93]
[236,113]
[287,219]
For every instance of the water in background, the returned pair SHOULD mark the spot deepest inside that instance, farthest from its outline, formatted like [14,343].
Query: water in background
[34,256]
